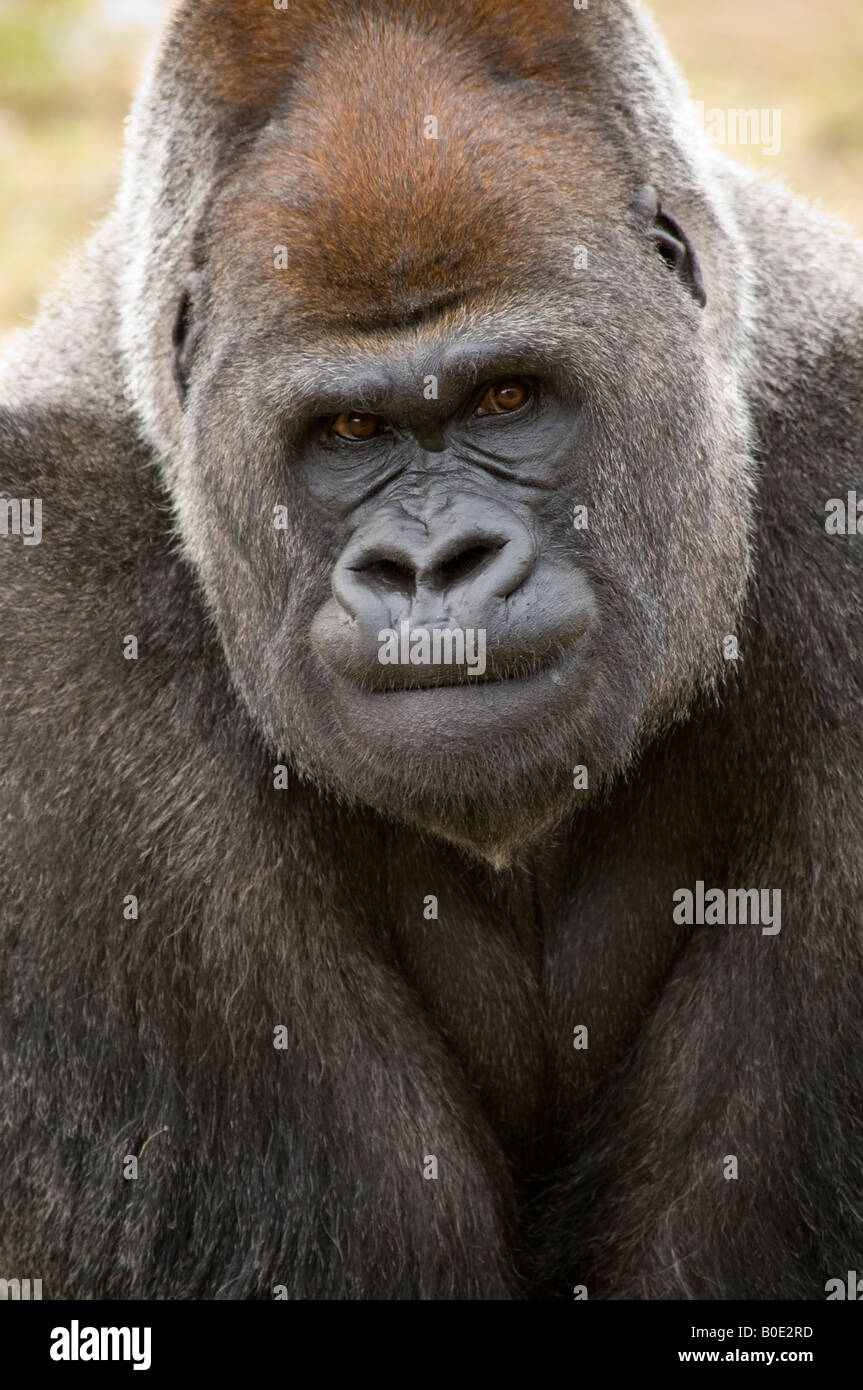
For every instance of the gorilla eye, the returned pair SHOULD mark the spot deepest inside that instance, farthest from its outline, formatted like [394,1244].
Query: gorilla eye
[504,396]
[357,424]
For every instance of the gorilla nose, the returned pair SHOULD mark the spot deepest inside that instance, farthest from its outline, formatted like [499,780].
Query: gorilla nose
[423,598]
[457,569]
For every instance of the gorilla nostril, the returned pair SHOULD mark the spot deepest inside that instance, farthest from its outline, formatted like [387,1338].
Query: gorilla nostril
[468,563]
[388,575]
[464,564]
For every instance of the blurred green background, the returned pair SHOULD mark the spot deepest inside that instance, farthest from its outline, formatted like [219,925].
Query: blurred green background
[68,68]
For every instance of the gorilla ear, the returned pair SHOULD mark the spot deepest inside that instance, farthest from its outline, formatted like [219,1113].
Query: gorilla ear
[184,345]
[672,243]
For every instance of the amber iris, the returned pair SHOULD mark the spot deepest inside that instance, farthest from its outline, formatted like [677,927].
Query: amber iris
[500,399]
[504,396]
[357,424]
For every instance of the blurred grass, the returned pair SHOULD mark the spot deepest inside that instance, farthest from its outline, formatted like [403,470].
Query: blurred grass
[68,68]
[803,59]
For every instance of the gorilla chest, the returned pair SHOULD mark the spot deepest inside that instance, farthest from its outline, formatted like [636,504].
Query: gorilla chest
[474,969]
[536,995]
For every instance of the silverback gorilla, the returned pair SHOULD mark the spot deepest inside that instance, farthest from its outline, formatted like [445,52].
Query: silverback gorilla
[335,962]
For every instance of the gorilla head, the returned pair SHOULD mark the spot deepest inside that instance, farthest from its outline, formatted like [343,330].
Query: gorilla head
[433,306]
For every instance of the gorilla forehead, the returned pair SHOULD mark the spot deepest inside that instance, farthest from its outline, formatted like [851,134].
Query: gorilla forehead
[385,224]
[249,53]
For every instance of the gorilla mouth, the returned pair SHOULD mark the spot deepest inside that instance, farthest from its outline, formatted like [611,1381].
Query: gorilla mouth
[452,714]
[499,664]
[515,671]
[419,650]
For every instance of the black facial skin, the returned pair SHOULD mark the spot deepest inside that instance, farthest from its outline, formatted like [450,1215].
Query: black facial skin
[445,535]
[446,517]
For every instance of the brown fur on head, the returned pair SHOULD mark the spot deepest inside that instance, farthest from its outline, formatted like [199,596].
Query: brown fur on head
[249,51]
[305,128]
[387,217]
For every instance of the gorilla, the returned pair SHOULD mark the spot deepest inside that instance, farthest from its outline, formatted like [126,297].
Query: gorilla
[433,779]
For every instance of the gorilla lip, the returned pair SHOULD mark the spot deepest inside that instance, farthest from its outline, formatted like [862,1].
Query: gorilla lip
[527,635]
[476,707]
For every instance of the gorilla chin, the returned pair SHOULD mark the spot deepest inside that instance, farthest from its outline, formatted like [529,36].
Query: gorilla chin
[456,658]
[485,764]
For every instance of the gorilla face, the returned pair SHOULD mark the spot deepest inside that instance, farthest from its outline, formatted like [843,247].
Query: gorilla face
[446,423]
